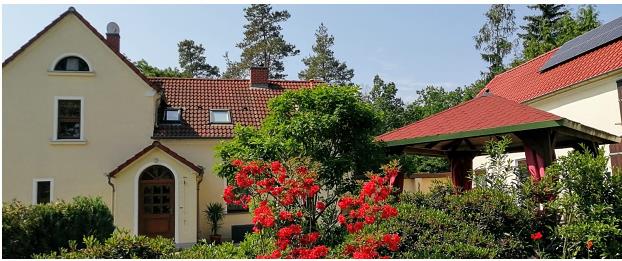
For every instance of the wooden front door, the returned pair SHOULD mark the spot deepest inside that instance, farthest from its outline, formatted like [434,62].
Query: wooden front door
[156,199]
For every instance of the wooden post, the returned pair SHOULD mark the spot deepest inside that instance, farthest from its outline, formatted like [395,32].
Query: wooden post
[461,163]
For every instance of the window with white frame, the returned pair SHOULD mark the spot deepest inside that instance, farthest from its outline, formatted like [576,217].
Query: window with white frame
[220,116]
[71,64]
[69,118]
[172,115]
[42,190]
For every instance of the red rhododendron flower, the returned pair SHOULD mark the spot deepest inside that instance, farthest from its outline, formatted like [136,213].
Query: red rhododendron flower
[263,215]
[237,163]
[285,216]
[388,211]
[320,205]
[536,236]
[341,219]
[228,195]
[242,180]
[391,241]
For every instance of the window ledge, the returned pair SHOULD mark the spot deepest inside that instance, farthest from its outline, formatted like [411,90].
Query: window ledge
[79,74]
[70,142]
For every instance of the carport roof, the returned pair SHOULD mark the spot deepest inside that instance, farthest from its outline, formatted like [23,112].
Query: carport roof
[470,124]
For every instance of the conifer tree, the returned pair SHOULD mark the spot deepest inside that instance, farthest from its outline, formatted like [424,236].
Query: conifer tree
[263,43]
[322,64]
[193,62]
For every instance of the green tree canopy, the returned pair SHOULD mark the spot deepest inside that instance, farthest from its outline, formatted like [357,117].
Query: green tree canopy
[495,38]
[152,71]
[554,26]
[263,43]
[322,64]
[390,108]
[193,62]
[541,30]
[331,126]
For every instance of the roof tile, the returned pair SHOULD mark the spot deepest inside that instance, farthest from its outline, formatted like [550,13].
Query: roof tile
[483,112]
[196,97]
[526,82]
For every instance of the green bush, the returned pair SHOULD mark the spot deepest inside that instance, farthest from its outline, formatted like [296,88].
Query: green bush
[120,245]
[252,246]
[479,223]
[31,229]
[589,202]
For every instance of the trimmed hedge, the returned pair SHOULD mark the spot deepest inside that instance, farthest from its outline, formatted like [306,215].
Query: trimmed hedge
[120,245]
[32,229]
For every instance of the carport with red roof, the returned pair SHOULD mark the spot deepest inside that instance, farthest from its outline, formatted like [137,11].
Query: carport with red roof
[461,132]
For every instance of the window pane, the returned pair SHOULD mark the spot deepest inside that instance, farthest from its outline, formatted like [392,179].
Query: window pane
[43,191]
[220,117]
[73,64]
[69,119]
[172,115]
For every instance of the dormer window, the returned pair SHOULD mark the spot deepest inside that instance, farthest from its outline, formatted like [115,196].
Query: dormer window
[72,64]
[172,115]
[220,116]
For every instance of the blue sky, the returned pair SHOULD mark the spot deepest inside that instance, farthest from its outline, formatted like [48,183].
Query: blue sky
[412,45]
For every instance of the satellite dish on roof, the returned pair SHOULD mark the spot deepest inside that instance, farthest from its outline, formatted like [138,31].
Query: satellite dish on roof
[112,28]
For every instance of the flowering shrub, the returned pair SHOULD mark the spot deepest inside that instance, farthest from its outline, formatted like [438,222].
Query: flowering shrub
[287,205]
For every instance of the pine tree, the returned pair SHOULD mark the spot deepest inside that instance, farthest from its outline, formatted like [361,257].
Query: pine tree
[193,62]
[541,30]
[383,98]
[495,38]
[263,43]
[322,64]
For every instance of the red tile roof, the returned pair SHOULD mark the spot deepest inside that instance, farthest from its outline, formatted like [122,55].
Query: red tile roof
[73,11]
[196,97]
[526,82]
[156,144]
[483,112]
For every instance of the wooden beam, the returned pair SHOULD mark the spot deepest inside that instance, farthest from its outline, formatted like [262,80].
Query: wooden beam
[425,152]
[453,145]
[432,144]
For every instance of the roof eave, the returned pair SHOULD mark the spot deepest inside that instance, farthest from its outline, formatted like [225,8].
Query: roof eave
[475,133]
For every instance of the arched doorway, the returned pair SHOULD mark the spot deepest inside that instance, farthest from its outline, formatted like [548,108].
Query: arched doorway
[156,198]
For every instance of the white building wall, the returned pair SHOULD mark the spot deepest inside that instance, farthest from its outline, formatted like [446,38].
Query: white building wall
[593,103]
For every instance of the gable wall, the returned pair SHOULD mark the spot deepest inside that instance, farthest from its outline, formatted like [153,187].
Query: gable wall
[119,111]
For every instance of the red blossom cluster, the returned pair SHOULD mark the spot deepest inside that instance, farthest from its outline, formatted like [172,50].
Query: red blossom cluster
[283,196]
[367,209]
[287,199]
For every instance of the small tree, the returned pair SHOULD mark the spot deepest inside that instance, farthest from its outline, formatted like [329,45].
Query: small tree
[215,212]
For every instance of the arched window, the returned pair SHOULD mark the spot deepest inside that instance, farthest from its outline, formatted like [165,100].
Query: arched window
[72,64]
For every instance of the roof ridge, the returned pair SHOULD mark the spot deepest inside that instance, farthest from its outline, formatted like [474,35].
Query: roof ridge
[219,79]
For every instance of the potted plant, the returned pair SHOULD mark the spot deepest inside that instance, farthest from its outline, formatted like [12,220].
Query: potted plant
[215,212]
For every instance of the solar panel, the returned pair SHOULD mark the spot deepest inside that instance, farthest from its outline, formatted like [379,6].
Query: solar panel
[585,43]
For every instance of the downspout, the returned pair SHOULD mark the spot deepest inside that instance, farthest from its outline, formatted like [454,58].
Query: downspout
[199,180]
[113,190]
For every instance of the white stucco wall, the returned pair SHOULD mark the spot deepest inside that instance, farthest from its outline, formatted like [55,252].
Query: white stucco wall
[593,103]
